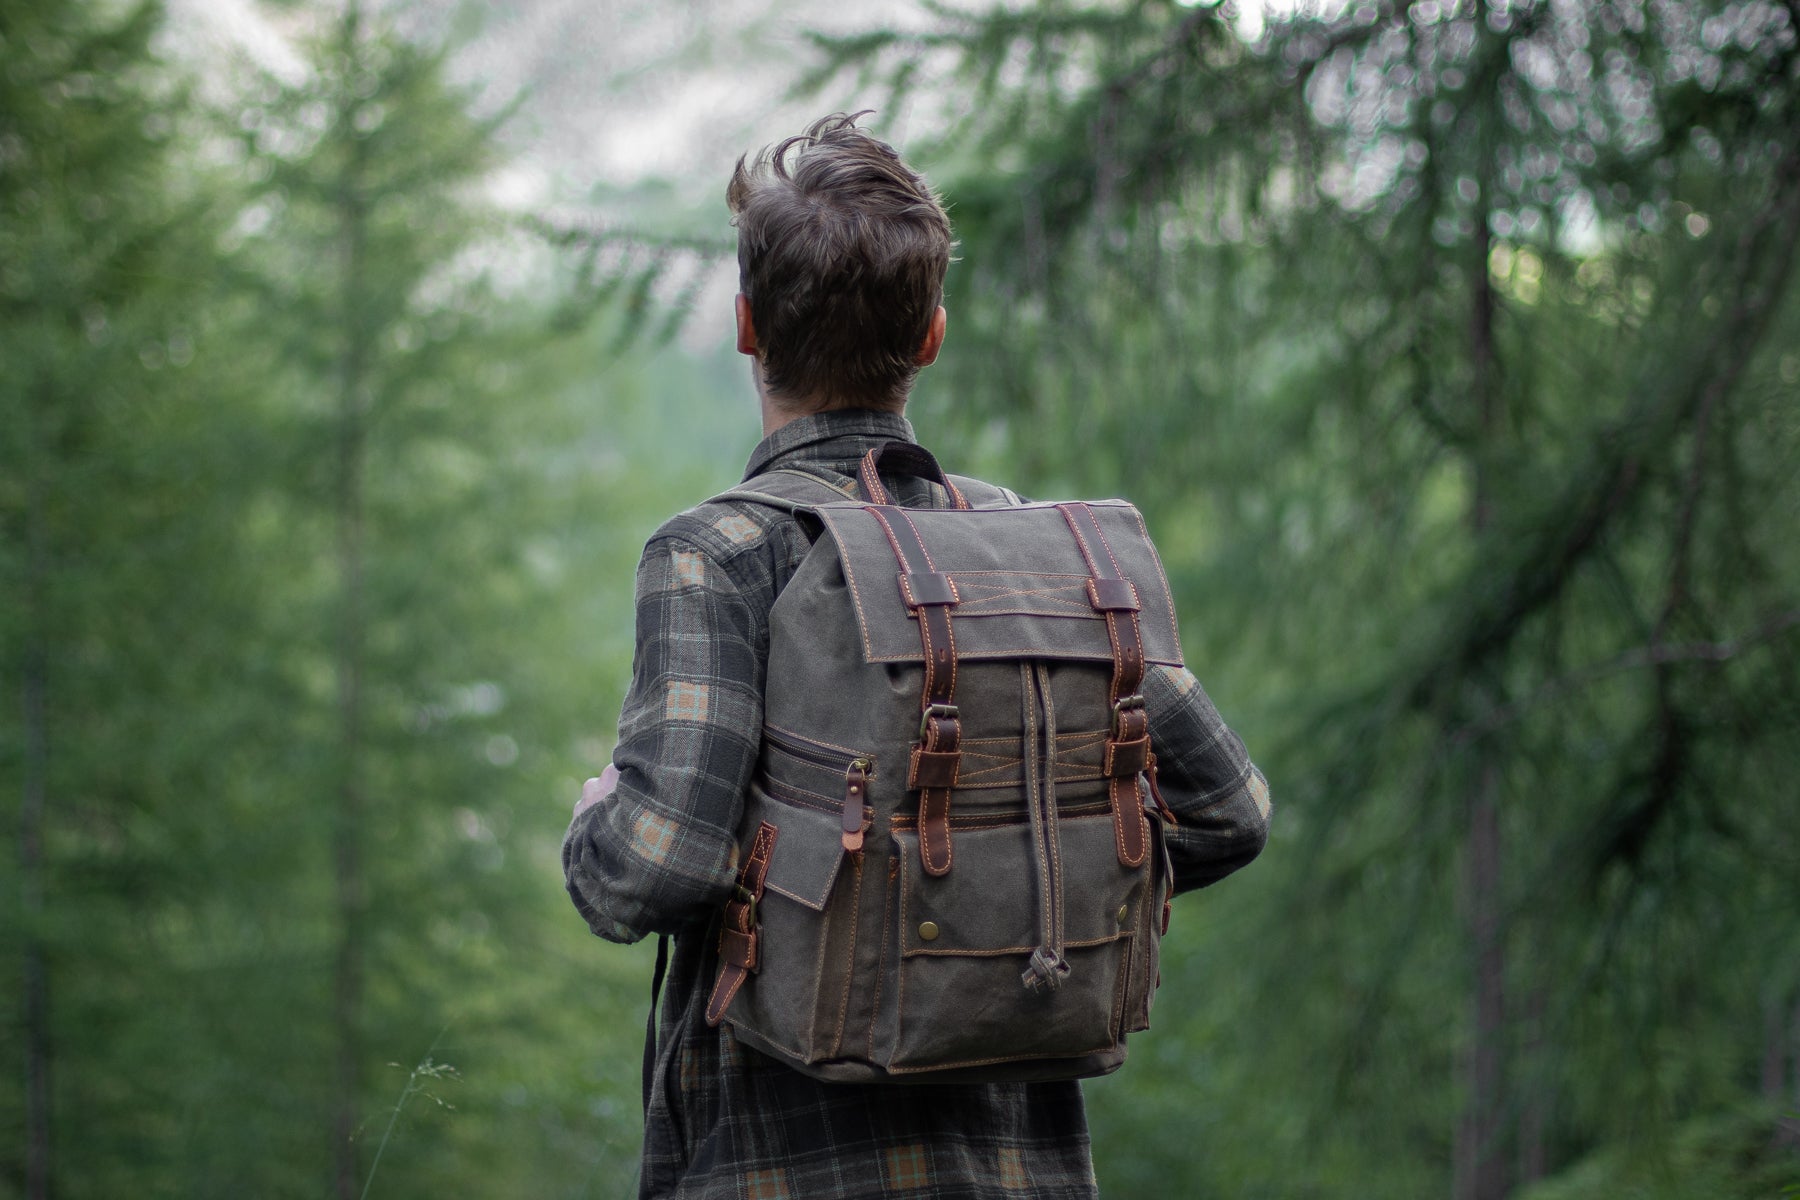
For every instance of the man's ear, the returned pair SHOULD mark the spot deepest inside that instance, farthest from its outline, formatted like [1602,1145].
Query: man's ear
[746,327]
[934,338]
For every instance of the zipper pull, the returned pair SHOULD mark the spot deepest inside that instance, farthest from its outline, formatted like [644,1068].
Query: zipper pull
[1162,806]
[856,786]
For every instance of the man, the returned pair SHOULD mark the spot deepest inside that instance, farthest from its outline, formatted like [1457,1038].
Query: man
[842,252]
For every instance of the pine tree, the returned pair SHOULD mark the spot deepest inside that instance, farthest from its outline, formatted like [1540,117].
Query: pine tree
[103,304]
[1446,347]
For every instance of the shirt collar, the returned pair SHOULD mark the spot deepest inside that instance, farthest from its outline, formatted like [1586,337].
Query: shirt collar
[804,433]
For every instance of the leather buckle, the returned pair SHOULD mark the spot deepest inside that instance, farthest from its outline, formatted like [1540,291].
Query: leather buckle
[945,712]
[748,898]
[1123,705]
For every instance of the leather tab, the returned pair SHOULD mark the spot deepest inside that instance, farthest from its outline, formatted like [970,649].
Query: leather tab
[1128,749]
[934,831]
[1130,830]
[1125,760]
[922,588]
[738,949]
[1162,806]
[905,458]
[1113,594]
[940,728]
[933,769]
[739,929]
[856,786]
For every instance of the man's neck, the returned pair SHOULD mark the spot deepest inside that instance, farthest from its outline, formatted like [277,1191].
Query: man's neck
[774,416]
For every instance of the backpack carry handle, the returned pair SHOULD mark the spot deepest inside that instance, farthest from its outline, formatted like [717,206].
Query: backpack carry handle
[903,458]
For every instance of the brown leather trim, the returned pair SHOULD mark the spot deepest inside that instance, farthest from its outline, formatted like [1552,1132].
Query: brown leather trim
[931,587]
[869,479]
[909,458]
[1112,594]
[738,932]
[856,788]
[929,770]
[940,726]
[737,948]
[1123,760]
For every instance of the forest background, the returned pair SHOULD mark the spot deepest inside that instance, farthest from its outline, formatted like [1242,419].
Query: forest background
[349,353]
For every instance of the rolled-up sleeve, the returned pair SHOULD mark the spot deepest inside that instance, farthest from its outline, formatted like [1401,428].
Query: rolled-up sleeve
[659,854]
[1219,798]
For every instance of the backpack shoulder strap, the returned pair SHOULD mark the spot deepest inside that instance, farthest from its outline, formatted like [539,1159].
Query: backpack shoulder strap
[982,494]
[787,489]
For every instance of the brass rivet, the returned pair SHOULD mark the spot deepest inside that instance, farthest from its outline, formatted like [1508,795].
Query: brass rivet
[1124,911]
[928,931]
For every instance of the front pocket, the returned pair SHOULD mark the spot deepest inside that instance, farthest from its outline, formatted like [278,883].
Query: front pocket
[816,775]
[807,930]
[964,941]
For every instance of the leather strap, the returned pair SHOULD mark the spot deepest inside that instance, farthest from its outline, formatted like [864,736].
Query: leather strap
[1127,753]
[656,982]
[903,458]
[936,756]
[739,932]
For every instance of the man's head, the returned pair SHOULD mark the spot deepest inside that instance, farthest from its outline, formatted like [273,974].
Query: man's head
[842,250]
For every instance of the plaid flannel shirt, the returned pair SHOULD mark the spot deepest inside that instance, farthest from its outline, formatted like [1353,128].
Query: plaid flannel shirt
[660,856]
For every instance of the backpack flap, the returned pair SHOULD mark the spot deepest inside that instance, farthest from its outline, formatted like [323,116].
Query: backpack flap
[1000,610]
[808,853]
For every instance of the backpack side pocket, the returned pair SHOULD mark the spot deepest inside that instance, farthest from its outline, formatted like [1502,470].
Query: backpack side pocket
[793,1005]
[1147,922]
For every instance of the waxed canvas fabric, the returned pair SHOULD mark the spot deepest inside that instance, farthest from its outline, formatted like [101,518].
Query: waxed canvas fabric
[869,967]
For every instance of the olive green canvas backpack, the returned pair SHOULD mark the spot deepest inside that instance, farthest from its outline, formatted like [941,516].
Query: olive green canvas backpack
[951,856]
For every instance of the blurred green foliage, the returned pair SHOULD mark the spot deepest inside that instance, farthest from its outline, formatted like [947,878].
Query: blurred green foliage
[1449,349]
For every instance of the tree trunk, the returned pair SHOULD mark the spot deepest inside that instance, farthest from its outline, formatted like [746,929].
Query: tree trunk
[34,793]
[347,831]
[1535,1095]
[1480,1165]
[1794,1050]
[1775,1045]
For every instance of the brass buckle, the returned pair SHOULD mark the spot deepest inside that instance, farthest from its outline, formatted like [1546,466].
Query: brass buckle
[1123,705]
[748,897]
[943,712]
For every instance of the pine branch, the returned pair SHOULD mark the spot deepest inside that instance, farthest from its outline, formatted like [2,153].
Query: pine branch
[1600,491]
[581,232]
[1653,654]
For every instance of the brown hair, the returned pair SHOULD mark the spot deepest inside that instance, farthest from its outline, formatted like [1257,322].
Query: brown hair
[842,250]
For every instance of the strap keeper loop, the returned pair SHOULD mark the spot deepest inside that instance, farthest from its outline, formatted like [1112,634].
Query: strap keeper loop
[921,589]
[1112,594]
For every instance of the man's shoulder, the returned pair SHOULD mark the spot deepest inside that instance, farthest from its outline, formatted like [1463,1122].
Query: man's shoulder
[734,525]
[724,529]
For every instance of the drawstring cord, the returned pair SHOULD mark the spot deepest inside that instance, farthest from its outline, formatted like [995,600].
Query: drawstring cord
[1047,968]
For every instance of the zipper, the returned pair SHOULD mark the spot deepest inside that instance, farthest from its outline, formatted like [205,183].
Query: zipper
[856,786]
[857,772]
[808,752]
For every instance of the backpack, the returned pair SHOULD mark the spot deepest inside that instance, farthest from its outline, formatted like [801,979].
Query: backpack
[951,859]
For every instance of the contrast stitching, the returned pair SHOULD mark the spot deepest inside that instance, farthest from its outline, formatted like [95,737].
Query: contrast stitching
[881,959]
[862,622]
[1168,596]
[837,1043]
